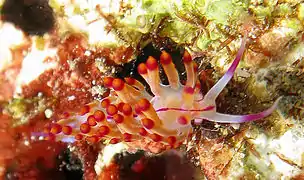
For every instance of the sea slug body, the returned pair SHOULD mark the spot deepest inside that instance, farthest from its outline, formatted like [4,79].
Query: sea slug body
[131,113]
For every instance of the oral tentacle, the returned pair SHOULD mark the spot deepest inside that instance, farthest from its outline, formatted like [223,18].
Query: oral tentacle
[213,93]
[227,118]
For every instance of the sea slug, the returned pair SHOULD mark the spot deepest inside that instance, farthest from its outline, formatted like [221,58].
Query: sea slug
[130,113]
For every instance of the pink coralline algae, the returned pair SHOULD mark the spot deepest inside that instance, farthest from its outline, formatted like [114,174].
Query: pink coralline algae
[131,113]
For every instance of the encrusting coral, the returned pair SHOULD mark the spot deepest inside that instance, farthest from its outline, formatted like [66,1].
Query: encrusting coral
[131,113]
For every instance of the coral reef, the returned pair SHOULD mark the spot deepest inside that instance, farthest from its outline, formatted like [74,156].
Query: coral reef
[77,53]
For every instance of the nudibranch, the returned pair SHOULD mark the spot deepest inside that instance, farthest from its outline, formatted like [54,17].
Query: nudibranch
[131,113]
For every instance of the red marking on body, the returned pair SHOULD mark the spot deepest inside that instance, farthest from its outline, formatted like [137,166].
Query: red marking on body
[188,90]
[208,108]
[182,120]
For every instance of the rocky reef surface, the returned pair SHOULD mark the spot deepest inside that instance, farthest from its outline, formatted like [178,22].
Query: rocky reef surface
[54,55]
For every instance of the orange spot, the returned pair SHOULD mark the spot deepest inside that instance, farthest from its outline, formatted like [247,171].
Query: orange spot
[127,137]
[111,110]
[142,132]
[127,109]
[147,123]
[85,128]
[92,139]
[118,118]
[67,130]
[79,137]
[47,130]
[118,84]
[137,109]
[99,115]
[142,68]
[84,110]
[171,140]
[143,104]
[114,141]
[187,57]
[188,90]
[198,85]
[107,81]
[266,53]
[103,131]
[66,115]
[50,137]
[195,67]
[119,106]
[105,103]
[156,137]
[56,129]
[91,120]
[130,81]
[151,63]
[165,58]
[182,120]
